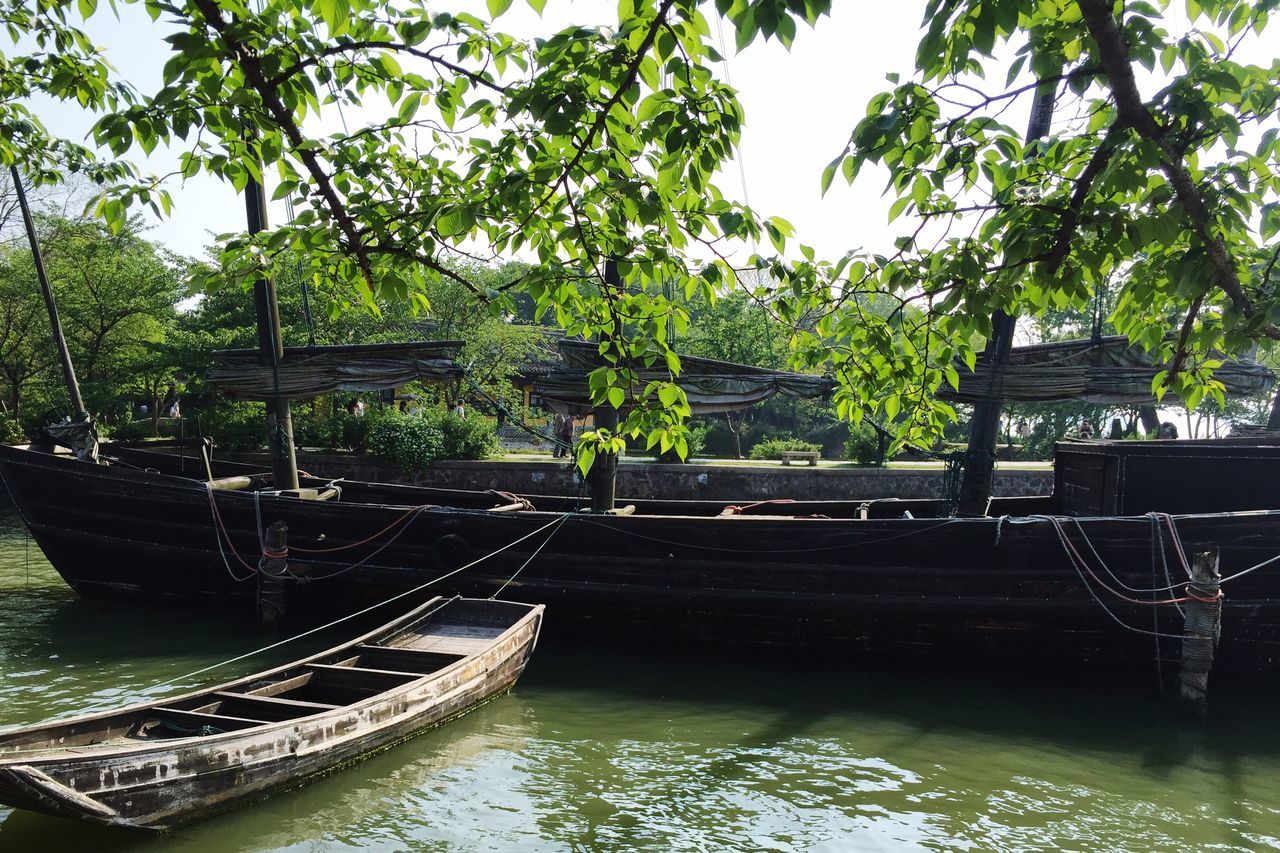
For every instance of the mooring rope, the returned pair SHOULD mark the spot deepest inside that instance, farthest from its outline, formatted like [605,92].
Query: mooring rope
[554,523]
[535,553]
[1082,566]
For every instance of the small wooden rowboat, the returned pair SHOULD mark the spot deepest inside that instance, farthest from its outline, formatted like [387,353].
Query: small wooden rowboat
[160,764]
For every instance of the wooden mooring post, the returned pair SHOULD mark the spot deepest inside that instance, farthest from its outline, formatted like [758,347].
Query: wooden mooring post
[271,572]
[1202,625]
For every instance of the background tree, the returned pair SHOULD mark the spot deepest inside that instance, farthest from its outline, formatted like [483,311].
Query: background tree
[595,144]
[1172,193]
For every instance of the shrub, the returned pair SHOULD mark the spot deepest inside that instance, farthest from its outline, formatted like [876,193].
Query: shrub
[468,438]
[410,442]
[133,430]
[337,430]
[864,445]
[234,426]
[772,448]
[11,431]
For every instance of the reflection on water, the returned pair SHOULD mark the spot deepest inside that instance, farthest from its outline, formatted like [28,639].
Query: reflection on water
[610,750]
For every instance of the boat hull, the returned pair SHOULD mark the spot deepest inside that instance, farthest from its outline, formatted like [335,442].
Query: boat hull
[986,591]
[192,778]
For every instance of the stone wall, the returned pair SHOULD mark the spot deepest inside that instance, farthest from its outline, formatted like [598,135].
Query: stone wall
[671,482]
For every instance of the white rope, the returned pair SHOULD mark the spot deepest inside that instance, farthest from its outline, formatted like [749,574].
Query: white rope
[535,553]
[371,607]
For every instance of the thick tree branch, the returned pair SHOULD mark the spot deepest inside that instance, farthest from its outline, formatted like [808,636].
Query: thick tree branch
[1113,53]
[251,65]
[1084,183]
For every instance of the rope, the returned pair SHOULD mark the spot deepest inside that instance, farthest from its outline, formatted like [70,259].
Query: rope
[297,273]
[220,531]
[1082,567]
[306,633]
[556,522]
[738,510]
[499,406]
[337,548]
[952,480]
[536,552]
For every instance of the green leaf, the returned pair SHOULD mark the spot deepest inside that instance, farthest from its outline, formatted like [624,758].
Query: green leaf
[586,456]
[617,397]
[498,7]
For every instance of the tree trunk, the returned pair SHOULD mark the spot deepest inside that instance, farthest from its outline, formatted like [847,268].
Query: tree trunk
[737,439]
[1273,422]
[1150,419]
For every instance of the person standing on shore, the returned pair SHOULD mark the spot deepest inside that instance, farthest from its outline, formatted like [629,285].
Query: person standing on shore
[564,435]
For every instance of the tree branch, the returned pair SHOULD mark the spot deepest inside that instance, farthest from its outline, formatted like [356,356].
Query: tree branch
[1084,183]
[251,65]
[1113,53]
[334,50]
[628,80]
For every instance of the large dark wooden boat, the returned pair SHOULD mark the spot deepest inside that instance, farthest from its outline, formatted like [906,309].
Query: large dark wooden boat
[165,763]
[881,579]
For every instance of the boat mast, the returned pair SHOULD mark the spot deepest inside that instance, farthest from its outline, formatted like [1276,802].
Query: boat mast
[64,354]
[284,463]
[980,458]
[604,473]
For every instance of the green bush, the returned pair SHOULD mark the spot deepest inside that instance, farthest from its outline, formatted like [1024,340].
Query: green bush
[863,445]
[469,438]
[335,431]
[132,430]
[11,431]
[771,448]
[409,441]
[233,426]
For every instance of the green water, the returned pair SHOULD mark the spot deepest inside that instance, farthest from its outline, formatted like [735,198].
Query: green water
[609,750]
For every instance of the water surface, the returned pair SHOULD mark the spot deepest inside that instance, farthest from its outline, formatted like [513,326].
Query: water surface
[614,750]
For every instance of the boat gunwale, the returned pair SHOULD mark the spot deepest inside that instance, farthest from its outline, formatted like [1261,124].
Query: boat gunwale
[192,484]
[58,754]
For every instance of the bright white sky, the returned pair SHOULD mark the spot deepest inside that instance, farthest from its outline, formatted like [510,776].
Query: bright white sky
[800,105]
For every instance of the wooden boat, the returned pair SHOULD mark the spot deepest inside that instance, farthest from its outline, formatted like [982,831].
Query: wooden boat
[879,580]
[164,763]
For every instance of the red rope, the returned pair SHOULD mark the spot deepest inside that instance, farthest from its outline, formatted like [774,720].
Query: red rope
[403,518]
[222,531]
[1080,562]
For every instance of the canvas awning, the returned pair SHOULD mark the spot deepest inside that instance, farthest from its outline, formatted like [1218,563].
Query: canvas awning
[712,386]
[312,371]
[1109,371]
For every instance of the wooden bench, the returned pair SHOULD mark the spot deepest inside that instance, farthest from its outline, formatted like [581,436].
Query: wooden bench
[788,456]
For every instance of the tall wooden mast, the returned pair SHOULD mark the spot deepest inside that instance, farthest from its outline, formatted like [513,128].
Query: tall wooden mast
[980,459]
[64,354]
[284,463]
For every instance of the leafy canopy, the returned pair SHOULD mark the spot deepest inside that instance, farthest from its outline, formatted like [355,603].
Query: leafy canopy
[600,144]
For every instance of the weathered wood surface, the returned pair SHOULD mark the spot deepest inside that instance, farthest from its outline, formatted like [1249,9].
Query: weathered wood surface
[86,768]
[1202,626]
[974,589]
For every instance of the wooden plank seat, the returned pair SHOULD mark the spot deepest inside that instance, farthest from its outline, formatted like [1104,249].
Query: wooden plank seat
[197,719]
[396,658]
[271,708]
[361,678]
